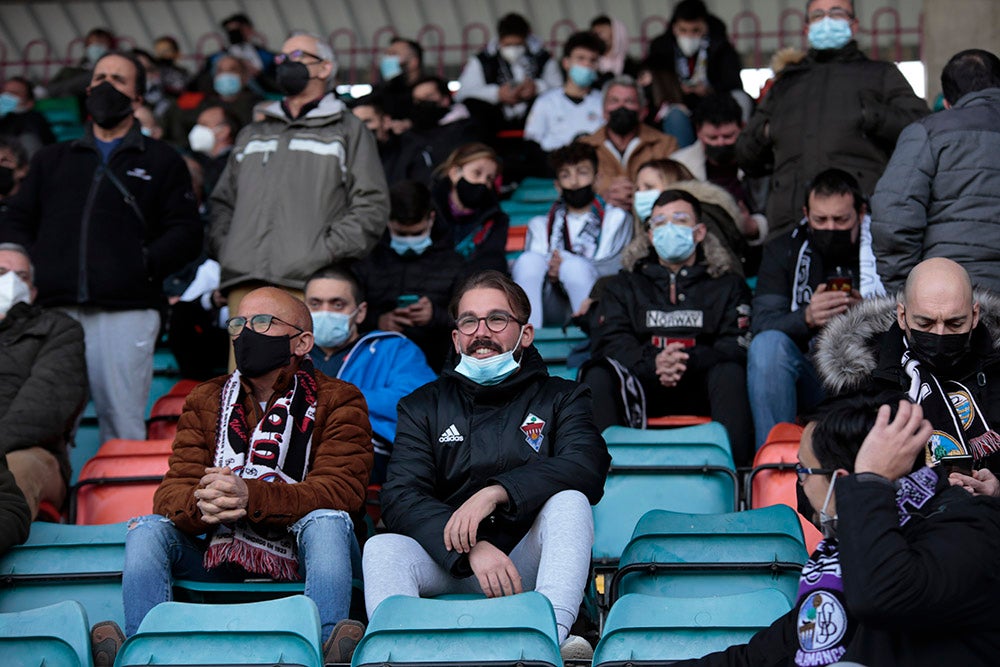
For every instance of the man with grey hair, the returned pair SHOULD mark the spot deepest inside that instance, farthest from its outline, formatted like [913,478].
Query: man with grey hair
[43,386]
[303,188]
[625,142]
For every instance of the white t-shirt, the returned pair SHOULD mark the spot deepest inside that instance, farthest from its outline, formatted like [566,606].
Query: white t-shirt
[555,120]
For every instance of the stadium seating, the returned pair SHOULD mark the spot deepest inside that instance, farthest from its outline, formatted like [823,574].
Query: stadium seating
[643,629]
[119,482]
[535,191]
[673,421]
[556,344]
[694,555]
[283,631]
[54,636]
[773,480]
[515,629]
[66,562]
[63,114]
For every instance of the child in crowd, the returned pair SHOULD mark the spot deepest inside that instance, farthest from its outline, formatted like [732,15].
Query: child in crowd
[580,239]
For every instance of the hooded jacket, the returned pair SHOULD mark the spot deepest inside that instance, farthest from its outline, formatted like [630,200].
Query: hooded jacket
[940,193]
[455,437]
[835,108]
[297,195]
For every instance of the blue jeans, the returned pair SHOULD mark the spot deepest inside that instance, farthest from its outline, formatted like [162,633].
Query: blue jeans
[156,552]
[781,381]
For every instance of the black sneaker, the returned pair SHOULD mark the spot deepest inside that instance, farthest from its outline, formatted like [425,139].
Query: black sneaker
[106,638]
[339,648]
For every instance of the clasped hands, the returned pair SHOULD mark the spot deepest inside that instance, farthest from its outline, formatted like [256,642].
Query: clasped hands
[222,496]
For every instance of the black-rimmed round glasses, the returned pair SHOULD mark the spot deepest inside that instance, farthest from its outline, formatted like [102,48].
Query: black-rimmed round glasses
[834,13]
[296,56]
[803,473]
[495,322]
[258,324]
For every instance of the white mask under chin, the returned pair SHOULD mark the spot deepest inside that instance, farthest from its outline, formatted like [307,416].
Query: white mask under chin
[12,290]
[827,523]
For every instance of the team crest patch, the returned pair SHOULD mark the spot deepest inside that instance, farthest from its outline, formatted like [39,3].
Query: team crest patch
[532,429]
[822,623]
[963,406]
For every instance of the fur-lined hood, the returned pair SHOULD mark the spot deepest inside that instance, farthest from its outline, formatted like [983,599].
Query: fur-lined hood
[847,350]
[718,258]
[782,58]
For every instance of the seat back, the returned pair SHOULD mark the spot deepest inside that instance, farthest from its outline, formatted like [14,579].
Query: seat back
[407,630]
[112,489]
[54,636]
[271,632]
[691,555]
[555,345]
[662,629]
[65,562]
[162,422]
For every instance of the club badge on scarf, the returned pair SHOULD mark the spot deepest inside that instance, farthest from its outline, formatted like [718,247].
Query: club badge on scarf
[275,450]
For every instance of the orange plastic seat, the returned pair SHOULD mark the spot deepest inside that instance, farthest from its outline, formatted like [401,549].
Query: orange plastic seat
[673,421]
[773,479]
[119,447]
[516,237]
[112,489]
[164,415]
[183,387]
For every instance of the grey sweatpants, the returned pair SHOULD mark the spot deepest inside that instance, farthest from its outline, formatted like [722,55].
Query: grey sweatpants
[552,559]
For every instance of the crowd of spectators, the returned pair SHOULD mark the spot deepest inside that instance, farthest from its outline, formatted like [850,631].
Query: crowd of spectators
[755,261]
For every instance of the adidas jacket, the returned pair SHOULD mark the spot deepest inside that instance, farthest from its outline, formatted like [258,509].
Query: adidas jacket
[532,434]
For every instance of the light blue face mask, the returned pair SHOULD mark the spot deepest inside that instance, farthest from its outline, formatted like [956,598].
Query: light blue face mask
[94,52]
[491,370]
[8,103]
[146,132]
[331,329]
[673,243]
[227,83]
[390,67]
[643,203]
[416,245]
[583,76]
[829,33]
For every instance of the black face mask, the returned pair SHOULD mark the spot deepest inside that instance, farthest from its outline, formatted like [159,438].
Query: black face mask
[426,115]
[473,195]
[721,155]
[579,197]
[108,106]
[834,246]
[942,352]
[235,36]
[623,121]
[7,181]
[258,354]
[292,77]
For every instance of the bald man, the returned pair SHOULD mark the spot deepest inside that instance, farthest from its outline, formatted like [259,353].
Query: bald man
[939,343]
[274,488]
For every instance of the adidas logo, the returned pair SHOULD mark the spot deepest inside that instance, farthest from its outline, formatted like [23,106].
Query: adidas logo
[451,434]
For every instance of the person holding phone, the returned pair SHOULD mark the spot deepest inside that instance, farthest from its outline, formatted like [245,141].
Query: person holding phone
[807,276]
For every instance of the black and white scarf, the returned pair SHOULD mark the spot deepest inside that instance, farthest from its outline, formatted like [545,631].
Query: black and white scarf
[585,243]
[870,284]
[276,450]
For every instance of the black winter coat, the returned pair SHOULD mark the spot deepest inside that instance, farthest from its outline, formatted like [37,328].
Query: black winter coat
[455,437]
[487,228]
[15,515]
[724,63]
[105,235]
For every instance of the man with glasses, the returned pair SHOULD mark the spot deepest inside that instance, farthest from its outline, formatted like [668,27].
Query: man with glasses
[269,464]
[303,188]
[834,108]
[493,471]
[672,329]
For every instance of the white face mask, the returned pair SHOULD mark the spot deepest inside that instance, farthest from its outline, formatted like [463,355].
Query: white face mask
[12,290]
[689,45]
[512,53]
[201,139]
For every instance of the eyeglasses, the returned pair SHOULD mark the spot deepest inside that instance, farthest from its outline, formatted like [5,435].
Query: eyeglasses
[679,217]
[495,322]
[258,324]
[296,56]
[803,472]
[834,13]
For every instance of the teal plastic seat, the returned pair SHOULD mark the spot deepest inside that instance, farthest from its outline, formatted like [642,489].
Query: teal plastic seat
[646,629]
[54,636]
[186,590]
[275,632]
[535,190]
[514,629]
[686,469]
[66,562]
[695,555]
[555,345]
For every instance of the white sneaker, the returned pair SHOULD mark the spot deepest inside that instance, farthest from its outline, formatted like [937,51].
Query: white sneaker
[576,648]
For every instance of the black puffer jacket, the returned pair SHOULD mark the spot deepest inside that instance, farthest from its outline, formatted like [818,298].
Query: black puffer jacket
[835,108]
[635,308]
[105,235]
[15,515]
[485,229]
[43,380]
[455,437]
[723,60]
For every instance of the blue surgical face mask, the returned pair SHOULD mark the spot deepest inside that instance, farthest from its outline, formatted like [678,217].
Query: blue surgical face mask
[146,132]
[332,329]
[227,83]
[829,33]
[643,203]
[390,67]
[491,370]
[410,244]
[94,52]
[673,243]
[583,76]
[8,103]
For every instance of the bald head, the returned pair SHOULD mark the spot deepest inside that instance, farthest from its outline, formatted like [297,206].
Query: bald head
[281,304]
[938,299]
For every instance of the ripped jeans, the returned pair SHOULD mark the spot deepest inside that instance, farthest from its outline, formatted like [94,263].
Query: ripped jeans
[156,552]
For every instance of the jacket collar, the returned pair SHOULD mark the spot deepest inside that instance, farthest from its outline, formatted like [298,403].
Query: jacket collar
[133,139]
[977,97]
[329,108]
[847,53]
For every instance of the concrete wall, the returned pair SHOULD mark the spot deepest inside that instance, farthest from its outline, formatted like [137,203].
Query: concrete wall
[951,26]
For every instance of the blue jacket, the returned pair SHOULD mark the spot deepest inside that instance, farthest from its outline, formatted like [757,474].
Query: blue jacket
[385,366]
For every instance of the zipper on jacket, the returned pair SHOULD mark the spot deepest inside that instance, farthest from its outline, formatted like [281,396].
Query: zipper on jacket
[673,288]
[83,291]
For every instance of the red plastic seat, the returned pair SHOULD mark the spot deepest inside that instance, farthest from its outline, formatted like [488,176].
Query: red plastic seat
[773,479]
[183,387]
[118,447]
[673,421]
[115,488]
[164,415]
[516,237]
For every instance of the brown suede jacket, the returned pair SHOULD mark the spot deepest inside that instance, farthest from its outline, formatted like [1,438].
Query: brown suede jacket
[653,145]
[340,464]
